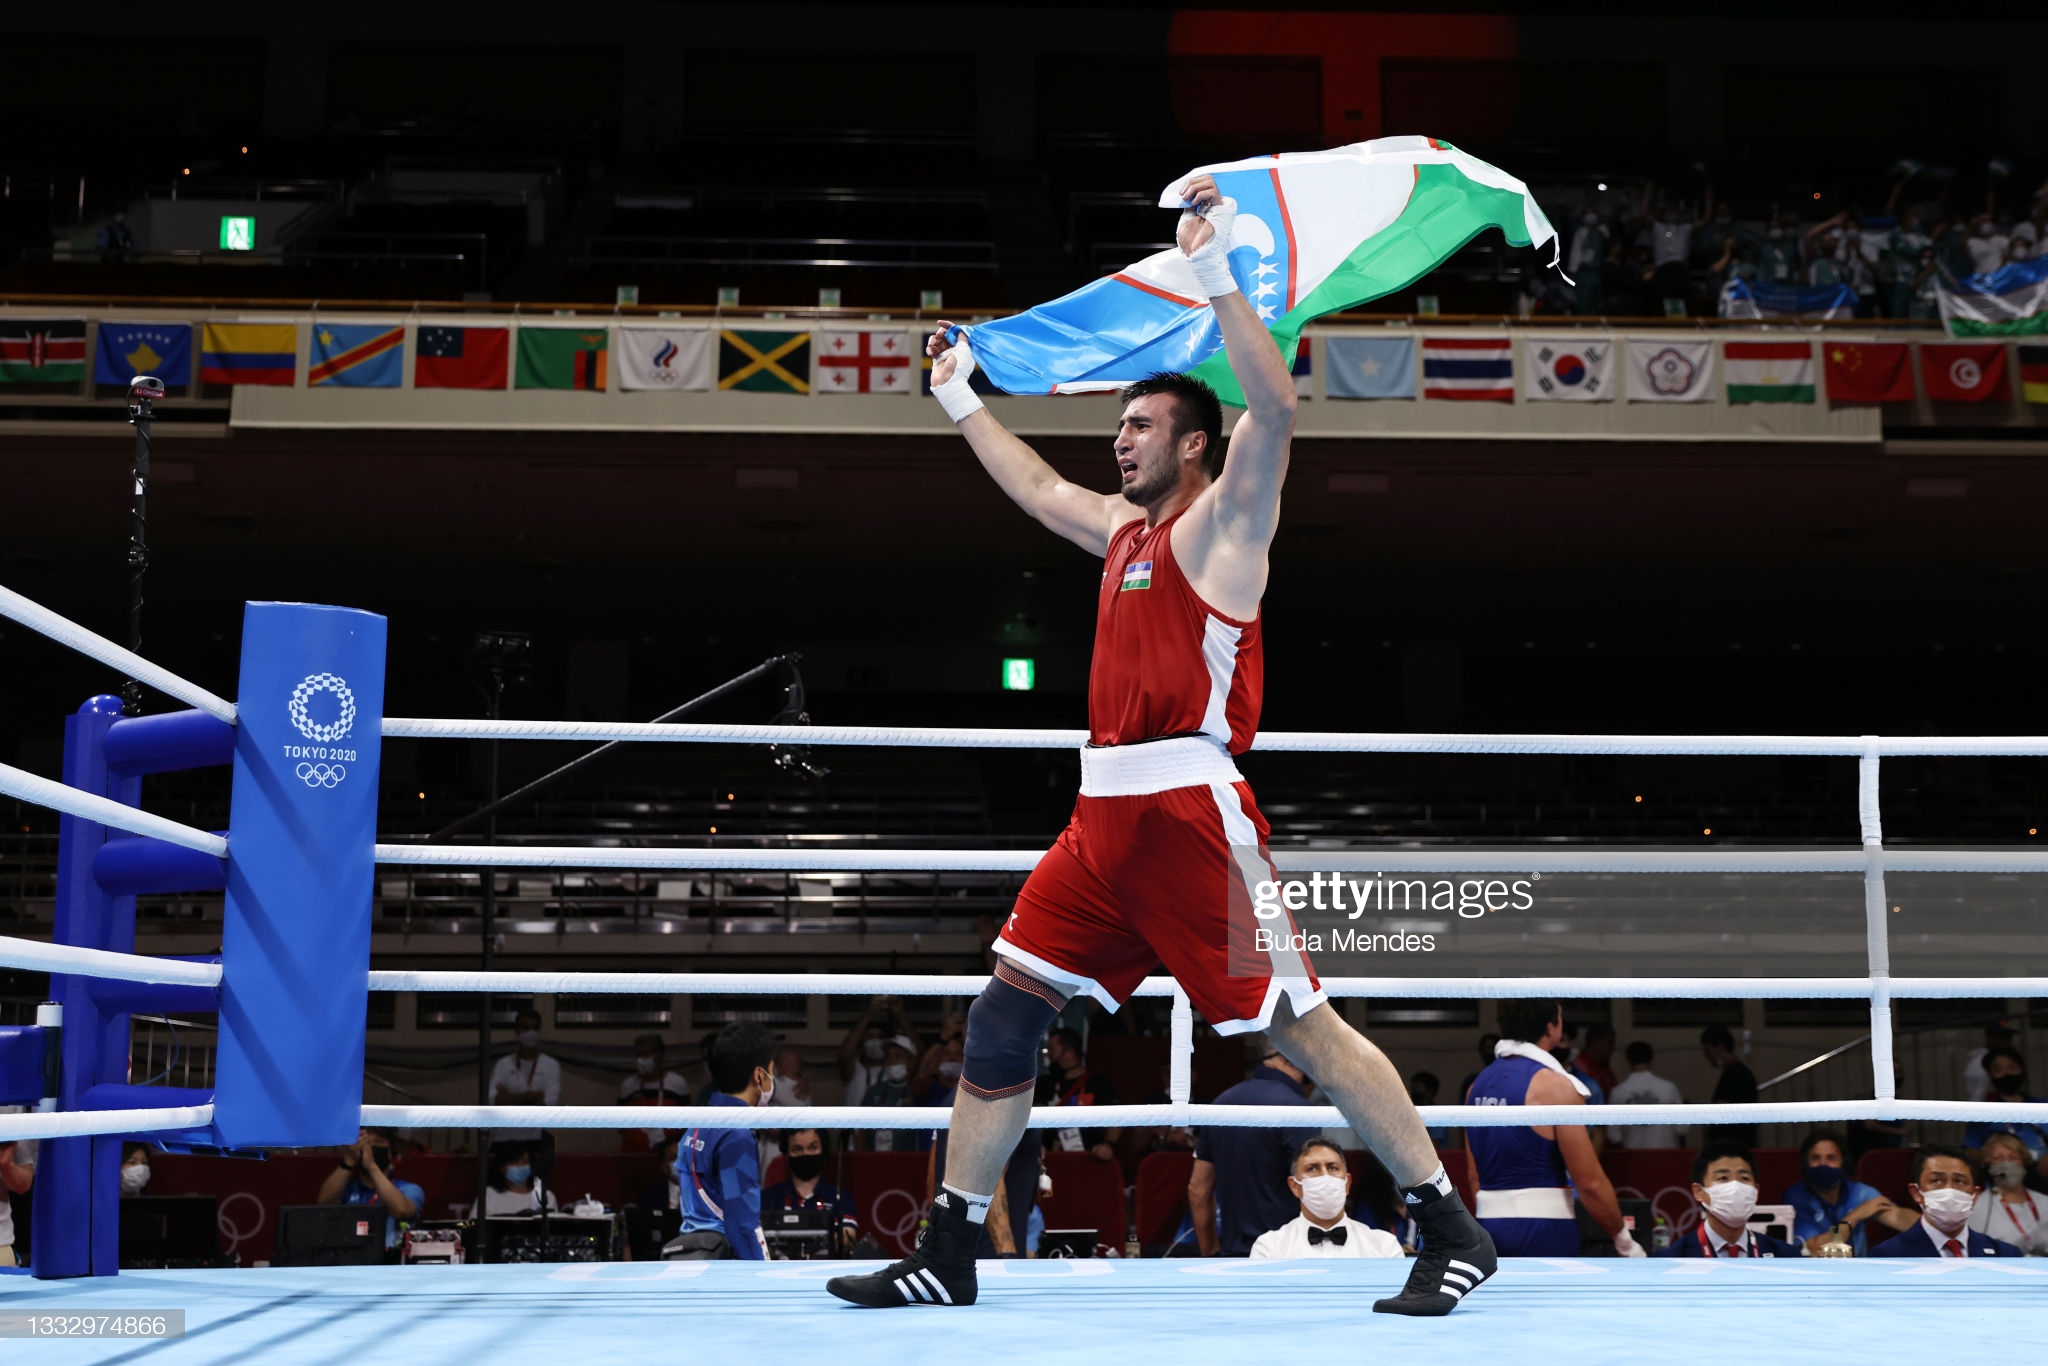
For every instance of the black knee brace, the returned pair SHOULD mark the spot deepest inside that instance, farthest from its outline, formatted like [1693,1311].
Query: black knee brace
[1005,1029]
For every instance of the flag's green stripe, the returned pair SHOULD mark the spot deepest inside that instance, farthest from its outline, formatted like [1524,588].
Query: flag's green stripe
[1446,211]
[2035,326]
[53,372]
[1770,393]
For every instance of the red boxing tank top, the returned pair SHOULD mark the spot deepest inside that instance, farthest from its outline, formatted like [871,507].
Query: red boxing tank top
[1166,663]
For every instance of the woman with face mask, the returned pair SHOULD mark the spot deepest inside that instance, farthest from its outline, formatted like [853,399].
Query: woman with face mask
[2007,1072]
[1945,1187]
[804,1187]
[511,1187]
[134,1168]
[1724,1185]
[2006,1209]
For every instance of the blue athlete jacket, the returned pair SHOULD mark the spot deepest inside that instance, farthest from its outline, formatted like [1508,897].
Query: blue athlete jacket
[1517,1157]
[718,1173]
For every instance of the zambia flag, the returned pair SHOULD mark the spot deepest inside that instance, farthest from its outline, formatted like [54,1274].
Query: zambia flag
[356,355]
[765,362]
[41,351]
[562,358]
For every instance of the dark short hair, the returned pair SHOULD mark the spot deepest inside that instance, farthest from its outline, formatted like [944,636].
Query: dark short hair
[2009,1054]
[1196,409]
[741,1048]
[1714,1152]
[1069,1038]
[1927,1150]
[1310,1146]
[1806,1145]
[1718,1036]
[1526,1020]
[653,1041]
[789,1136]
[1640,1053]
[1428,1081]
[1595,1032]
[529,1013]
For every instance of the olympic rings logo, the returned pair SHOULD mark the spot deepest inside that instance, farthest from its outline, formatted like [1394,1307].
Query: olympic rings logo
[901,1231]
[314,685]
[232,1230]
[321,775]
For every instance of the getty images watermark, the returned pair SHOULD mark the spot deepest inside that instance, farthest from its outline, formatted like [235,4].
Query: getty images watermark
[1294,913]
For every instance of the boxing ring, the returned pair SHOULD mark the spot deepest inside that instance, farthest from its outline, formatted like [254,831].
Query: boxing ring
[291,986]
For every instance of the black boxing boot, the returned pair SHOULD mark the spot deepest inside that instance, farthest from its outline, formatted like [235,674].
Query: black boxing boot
[940,1271]
[1457,1254]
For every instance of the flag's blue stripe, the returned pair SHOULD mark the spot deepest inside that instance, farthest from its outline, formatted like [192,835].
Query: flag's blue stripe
[1432,368]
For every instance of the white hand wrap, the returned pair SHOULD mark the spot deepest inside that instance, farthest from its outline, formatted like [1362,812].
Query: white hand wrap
[1627,1246]
[1212,259]
[956,395]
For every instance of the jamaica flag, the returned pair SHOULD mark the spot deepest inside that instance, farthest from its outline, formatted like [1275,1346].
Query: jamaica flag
[562,358]
[765,362]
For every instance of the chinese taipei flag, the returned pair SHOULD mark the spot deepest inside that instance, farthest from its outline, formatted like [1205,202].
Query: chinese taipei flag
[1316,232]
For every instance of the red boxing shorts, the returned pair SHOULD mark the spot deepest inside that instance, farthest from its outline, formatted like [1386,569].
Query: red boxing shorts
[1158,865]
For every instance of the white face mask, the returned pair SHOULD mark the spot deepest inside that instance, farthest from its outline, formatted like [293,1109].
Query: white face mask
[645,1066]
[896,1071]
[2003,1173]
[529,1038]
[768,1091]
[1323,1196]
[1947,1208]
[872,1050]
[133,1179]
[950,1071]
[785,1091]
[1731,1201]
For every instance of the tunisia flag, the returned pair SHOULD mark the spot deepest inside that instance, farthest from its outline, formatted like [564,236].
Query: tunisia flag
[1868,372]
[1968,372]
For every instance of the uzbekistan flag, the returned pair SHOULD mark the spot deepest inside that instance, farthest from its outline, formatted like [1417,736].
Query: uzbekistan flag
[356,356]
[248,353]
[1316,232]
[2011,301]
[1468,368]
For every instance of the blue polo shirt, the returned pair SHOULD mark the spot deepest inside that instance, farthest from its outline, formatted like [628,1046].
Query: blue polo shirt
[2032,1135]
[1812,1214]
[718,1172]
[1252,1165]
[360,1192]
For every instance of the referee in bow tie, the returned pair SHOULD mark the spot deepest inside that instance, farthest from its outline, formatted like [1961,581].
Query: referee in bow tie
[1322,1182]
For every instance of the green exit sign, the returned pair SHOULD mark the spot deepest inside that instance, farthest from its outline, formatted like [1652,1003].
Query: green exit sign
[1019,675]
[237,234]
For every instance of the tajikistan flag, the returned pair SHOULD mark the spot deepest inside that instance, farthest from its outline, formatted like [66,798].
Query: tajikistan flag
[1316,232]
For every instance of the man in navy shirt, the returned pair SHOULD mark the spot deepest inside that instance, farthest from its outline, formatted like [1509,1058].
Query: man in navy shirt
[718,1171]
[1724,1184]
[1945,1187]
[1244,1171]
[1829,1205]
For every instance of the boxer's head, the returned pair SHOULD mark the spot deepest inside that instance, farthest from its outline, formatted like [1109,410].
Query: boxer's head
[1171,431]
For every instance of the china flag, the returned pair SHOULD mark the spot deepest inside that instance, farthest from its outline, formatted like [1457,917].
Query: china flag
[1868,372]
[1966,372]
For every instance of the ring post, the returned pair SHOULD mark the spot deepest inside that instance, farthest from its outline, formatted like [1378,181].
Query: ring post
[1877,929]
[295,944]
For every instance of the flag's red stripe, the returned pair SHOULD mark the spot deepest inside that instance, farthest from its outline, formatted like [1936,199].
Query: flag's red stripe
[1157,292]
[375,346]
[1287,224]
[1465,344]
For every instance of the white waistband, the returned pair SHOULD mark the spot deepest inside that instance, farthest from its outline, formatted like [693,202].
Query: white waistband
[1155,766]
[1531,1202]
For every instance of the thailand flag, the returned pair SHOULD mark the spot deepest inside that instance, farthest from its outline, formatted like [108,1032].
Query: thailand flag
[1468,368]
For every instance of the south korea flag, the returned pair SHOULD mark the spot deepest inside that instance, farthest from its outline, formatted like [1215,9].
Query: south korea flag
[1570,369]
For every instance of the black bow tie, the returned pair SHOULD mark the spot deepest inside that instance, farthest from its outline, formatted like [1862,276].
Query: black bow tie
[1335,1235]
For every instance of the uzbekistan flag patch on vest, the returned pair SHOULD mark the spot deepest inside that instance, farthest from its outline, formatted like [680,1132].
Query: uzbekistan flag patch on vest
[1138,575]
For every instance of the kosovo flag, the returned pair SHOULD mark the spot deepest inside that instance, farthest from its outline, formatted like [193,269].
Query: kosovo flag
[130,349]
[357,355]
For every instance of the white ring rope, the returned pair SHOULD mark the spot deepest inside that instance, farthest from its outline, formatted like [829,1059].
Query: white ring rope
[72,801]
[1294,742]
[42,620]
[35,956]
[86,1123]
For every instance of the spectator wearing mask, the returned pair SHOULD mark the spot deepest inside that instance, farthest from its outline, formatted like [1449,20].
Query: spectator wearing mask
[17,1176]
[2007,1071]
[1669,235]
[1736,1085]
[2006,1209]
[1071,1083]
[362,1176]
[718,1172]
[510,1188]
[804,1186]
[1526,1173]
[1928,277]
[1321,1184]
[1777,256]
[1829,1205]
[791,1091]
[1987,245]
[650,1083]
[1724,1185]
[135,1170]
[1238,1187]
[1945,1188]
[1644,1087]
[1589,248]
[891,1089]
[525,1076]
[860,1054]
[938,1072]
[1976,1081]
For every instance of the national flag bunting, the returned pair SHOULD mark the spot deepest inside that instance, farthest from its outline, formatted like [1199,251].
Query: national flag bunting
[461,357]
[1669,371]
[1964,372]
[765,362]
[562,358]
[1304,369]
[1868,372]
[665,358]
[2034,373]
[864,362]
[1468,368]
[1369,367]
[357,356]
[1568,369]
[42,350]
[2011,301]
[1783,303]
[248,353]
[1769,372]
[127,350]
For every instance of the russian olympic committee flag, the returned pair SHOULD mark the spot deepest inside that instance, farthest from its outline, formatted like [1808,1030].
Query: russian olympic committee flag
[666,357]
[1316,232]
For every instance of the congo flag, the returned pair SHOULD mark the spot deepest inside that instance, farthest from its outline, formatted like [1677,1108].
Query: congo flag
[356,355]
